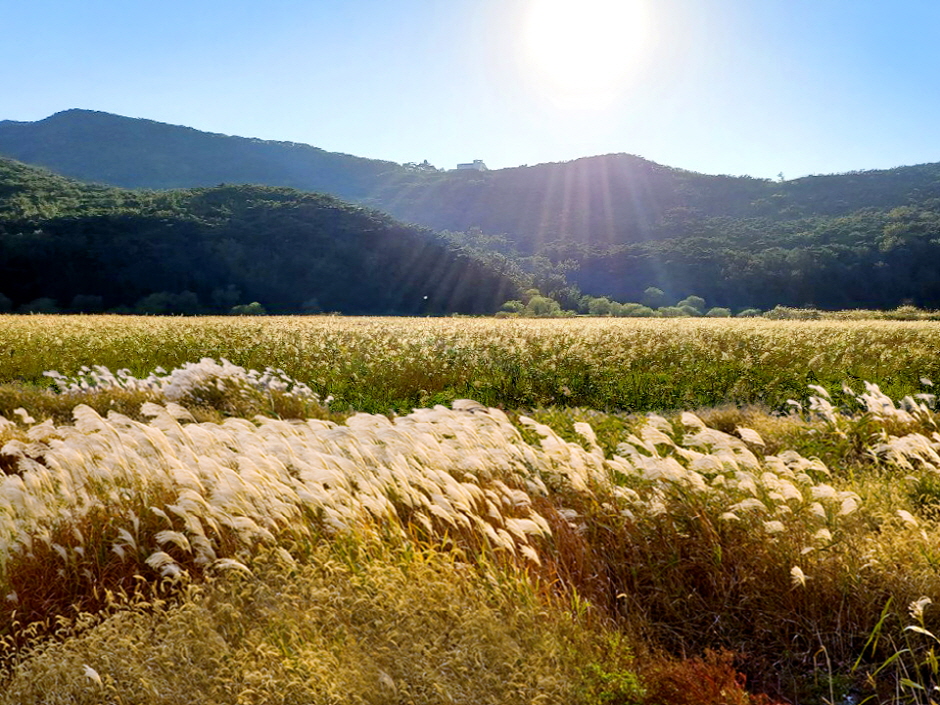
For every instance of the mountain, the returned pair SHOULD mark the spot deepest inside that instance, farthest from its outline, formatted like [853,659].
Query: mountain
[616,223]
[86,247]
[136,153]
[620,224]
[599,201]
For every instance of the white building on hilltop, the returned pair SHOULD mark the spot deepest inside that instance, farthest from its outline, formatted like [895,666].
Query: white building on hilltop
[476,165]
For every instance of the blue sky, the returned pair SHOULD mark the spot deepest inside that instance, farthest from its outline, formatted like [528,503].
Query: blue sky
[754,87]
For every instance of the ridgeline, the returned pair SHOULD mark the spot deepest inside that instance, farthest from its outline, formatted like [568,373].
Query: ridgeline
[617,223]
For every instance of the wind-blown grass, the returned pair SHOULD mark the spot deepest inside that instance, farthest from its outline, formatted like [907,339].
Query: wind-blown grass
[355,623]
[144,511]
[660,534]
[381,365]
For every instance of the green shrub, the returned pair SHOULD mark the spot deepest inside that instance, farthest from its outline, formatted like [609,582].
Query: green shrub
[718,313]
[252,309]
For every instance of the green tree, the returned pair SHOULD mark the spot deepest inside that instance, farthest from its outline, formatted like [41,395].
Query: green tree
[86,303]
[696,303]
[634,310]
[165,303]
[223,298]
[600,306]
[252,309]
[543,307]
[653,297]
[513,306]
[41,305]
[528,294]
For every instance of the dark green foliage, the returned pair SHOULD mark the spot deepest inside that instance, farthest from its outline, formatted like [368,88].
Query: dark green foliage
[925,495]
[718,313]
[165,303]
[653,297]
[870,259]
[695,303]
[41,305]
[615,225]
[207,250]
[514,306]
[83,303]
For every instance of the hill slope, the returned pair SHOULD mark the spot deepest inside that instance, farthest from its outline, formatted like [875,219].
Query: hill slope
[622,223]
[209,249]
[136,153]
[600,201]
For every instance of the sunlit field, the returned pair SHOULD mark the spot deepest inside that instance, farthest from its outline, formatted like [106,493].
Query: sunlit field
[383,364]
[337,510]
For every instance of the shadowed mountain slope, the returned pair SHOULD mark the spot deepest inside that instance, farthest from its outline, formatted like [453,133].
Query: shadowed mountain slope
[208,249]
[620,222]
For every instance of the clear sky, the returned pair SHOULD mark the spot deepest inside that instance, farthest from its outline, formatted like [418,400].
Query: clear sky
[754,87]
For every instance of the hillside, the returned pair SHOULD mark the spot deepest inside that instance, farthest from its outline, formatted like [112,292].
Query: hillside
[136,153]
[209,249]
[599,201]
[620,199]
[618,223]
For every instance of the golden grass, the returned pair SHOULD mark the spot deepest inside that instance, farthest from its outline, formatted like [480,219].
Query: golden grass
[658,534]
[381,364]
[360,623]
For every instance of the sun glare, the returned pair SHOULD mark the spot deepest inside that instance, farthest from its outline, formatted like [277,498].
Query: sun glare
[582,51]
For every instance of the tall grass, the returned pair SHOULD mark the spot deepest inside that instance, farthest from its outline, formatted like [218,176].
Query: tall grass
[358,622]
[570,553]
[566,546]
[379,365]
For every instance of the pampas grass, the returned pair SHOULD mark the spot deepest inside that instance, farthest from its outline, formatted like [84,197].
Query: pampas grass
[506,551]
[379,365]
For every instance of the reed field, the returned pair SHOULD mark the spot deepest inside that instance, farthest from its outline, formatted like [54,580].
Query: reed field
[346,510]
[396,364]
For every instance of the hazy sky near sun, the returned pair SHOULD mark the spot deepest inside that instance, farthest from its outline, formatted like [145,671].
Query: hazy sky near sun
[752,87]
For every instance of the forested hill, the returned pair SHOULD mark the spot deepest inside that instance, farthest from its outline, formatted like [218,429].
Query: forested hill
[71,246]
[619,199]
[621,224]
[600,202]
[136,153]
[618,223]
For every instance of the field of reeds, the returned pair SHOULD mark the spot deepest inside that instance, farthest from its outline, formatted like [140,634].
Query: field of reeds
[396,364]
[330,510]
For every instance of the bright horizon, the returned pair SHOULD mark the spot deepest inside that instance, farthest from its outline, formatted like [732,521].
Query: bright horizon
[713,86]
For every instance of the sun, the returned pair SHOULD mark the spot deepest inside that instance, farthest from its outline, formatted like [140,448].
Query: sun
[583,51]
